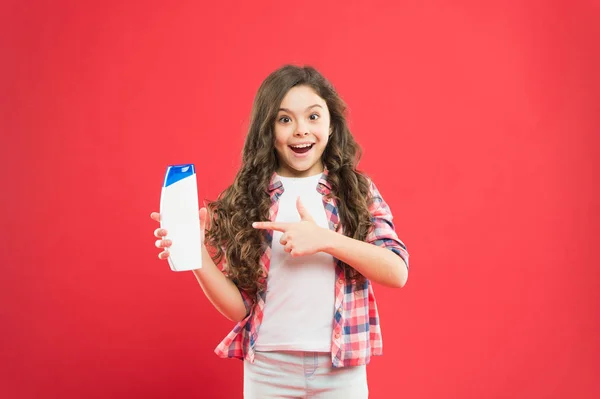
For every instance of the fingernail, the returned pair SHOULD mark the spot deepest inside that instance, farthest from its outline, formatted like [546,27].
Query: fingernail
[254,224]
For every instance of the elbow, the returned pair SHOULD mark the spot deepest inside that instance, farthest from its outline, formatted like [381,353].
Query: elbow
[235,314]
[240,313]
[397,270]
[403,281]
[398,282]
[401,276]
[235,317]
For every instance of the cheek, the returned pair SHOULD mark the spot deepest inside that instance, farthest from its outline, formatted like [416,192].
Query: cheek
[324,132]
[280,144]
[281,136]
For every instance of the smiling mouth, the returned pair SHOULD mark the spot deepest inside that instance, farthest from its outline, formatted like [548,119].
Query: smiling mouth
[302,148]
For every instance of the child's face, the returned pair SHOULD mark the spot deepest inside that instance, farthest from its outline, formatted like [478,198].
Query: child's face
[302,129]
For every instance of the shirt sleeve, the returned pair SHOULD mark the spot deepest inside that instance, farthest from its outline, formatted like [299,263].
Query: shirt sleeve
[383,233]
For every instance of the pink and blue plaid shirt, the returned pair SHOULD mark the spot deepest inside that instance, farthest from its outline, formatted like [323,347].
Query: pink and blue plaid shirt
[356,330]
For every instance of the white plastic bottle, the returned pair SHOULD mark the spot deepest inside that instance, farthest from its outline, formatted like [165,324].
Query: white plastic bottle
[179,216]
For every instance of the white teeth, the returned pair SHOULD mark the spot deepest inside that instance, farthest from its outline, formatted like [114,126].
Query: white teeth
[301,145]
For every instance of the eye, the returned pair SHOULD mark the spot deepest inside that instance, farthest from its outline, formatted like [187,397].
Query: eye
[285,119]
[314,117]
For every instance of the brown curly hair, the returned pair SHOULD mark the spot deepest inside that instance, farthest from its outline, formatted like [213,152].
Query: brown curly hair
[230,232]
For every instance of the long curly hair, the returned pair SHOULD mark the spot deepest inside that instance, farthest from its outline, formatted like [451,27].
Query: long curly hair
[230,233]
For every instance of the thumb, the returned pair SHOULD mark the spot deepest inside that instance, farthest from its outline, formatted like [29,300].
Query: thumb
[304,215]
[203,217]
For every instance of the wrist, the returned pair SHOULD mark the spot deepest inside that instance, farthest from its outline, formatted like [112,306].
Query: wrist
[328,240]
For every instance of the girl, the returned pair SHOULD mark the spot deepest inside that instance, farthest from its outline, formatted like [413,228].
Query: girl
[300,236]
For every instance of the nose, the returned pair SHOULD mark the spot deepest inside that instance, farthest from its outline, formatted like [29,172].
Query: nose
[301,129]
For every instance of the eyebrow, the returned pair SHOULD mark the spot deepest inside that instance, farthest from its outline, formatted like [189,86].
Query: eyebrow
[307,108]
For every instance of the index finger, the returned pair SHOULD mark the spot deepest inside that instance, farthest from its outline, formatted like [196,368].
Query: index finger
[278,226]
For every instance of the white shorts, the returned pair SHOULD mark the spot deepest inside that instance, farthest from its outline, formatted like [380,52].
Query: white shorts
[291,374]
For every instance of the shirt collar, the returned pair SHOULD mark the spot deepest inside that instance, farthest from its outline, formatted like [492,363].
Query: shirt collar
[323,187]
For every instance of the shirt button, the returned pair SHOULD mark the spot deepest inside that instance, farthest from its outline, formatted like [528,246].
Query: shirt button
[340,281]
[337,335]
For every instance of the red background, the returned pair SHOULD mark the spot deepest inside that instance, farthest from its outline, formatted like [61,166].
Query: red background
[479,124]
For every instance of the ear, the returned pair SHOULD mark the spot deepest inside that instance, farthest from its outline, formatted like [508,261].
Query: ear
[330,130]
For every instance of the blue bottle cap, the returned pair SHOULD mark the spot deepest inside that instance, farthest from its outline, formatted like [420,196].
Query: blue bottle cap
[178,172]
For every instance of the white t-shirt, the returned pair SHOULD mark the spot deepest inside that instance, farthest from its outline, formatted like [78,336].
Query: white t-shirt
[299,305]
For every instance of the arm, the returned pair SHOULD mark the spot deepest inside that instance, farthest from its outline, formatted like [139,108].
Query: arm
[378,264]
[382,257]
[218,288]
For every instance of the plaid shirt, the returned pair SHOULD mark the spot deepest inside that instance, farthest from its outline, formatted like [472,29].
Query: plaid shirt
[356,330]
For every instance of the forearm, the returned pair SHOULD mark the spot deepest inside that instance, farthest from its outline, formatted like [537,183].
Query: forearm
[375,263]
[220,290]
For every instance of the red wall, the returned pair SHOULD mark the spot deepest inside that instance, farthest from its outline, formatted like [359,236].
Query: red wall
[479,124]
